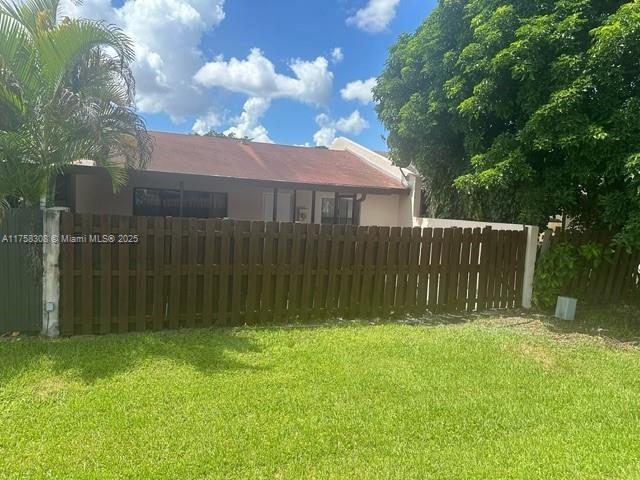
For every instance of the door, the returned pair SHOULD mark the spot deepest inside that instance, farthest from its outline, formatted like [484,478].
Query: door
[284,212]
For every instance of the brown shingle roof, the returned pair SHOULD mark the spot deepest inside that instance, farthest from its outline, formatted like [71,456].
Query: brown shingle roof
[222,157]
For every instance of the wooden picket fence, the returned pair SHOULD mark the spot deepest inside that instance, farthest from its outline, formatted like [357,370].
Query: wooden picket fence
[616,279]
[193,273]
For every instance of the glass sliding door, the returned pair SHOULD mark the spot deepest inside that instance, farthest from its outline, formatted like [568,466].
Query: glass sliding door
[340,213]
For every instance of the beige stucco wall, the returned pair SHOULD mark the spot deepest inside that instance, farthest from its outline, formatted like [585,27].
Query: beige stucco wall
[381,210]
[376,212]
[94,194]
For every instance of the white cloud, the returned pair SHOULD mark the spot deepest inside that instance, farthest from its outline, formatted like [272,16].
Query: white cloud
[336,55]
[207,122]
[325,136]
[248,123]
[359,90]
[354,123]
[166,35]
[375,16]
[256,76]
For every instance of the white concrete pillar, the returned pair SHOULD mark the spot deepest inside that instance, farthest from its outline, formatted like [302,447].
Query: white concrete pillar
[51,271]
[529,265]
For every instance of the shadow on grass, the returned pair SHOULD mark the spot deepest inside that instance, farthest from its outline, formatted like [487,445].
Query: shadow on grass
[97,357]
[615,322]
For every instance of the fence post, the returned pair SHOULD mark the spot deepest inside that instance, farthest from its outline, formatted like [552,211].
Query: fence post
[529,265]
[51,271]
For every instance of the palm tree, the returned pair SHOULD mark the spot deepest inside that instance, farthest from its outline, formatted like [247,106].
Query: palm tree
[66,94]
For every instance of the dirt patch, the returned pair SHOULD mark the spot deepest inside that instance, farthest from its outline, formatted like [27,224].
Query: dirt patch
[53,386]
[538,354]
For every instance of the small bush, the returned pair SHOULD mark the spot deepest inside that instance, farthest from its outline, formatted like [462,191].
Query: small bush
[559,265]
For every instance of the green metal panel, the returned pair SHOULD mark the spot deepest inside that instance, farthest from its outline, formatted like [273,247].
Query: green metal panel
[20,271]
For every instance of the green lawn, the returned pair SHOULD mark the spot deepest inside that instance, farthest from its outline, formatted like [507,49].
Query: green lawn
[493,398]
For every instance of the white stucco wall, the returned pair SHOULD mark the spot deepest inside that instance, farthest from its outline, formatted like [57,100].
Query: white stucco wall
[447,223]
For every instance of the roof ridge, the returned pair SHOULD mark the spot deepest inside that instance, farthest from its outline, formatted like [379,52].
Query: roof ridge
[212,137]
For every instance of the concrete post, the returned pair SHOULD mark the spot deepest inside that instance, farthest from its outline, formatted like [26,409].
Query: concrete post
[51,271]
[529,266]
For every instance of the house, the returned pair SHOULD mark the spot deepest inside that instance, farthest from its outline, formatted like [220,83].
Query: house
[211,177]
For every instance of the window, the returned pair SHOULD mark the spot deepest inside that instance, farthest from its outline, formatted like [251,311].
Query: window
[154,202]
[327,211]
[170,203]
[196,204]
[218,205]
[342,215]
[63,194]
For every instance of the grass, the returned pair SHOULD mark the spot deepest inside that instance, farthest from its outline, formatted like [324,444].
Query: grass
[493,398]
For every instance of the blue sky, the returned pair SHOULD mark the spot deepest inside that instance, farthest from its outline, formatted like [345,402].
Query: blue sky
[266,69]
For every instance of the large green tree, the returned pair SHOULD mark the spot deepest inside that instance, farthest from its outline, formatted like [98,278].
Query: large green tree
[66,94]
[518,110]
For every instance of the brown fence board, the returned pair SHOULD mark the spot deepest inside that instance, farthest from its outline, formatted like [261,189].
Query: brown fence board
[67,321]
[474,269]
[413,265]
[337,234]
[208,291]
[347,262]
[159,303]
[370,238]
[463,271]
[435,269]
[424,263]
[225,270]
[357,270]
[175,287]
[295,277]
[483,268]
[190,272]
[255,250]
[282,259]
[240,231]
[192,276]
[106,277]
[86,262]
[392,272]
[380,271]
[445,269]
[124,300]
[141,273]
[403,270]
[321,263]
[492,280]
[507,266]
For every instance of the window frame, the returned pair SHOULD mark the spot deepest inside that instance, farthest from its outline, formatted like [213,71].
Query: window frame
[355,220]
[181,202]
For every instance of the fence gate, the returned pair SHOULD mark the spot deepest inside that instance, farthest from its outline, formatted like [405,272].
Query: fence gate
[20,271]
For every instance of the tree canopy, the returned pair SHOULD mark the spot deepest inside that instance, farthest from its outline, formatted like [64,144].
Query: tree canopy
[516,110]
[66,94]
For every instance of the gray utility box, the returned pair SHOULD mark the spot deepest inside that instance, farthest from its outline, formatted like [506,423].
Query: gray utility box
[566,308]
